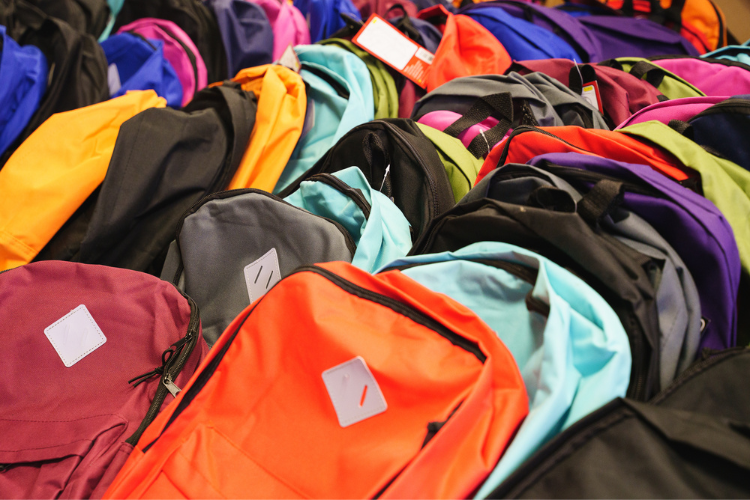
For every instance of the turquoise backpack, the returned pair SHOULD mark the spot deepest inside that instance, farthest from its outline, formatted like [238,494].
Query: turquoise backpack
[114,8]
[339,97]
[573,362]
[375,223]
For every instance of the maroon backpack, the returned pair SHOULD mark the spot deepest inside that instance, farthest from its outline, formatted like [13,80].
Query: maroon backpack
[73,337]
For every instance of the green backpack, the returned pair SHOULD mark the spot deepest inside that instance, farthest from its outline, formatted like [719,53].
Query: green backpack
[383,85]
[461,166]
[665,81]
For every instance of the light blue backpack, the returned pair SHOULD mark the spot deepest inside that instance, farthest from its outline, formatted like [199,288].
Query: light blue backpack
[377,226]
[339,97]
[736,53]
[570,346]
[114,9]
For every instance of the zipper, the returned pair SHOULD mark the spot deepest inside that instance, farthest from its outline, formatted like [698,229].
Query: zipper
[350,245]
[527,274]
[722,33]
[335,84]
[355,194]
[191,56]
[585,176]
[528,128]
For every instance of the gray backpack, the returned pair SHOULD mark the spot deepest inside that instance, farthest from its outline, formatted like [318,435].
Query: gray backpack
[233,246]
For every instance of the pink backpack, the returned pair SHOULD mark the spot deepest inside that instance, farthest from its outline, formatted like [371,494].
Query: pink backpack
[288,23]
[714,77]
[91,354]
[675,109]
[441,120]
[179,50]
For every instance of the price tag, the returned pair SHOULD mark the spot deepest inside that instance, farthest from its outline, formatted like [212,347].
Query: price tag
[384,41]
[591,94]
[290,60]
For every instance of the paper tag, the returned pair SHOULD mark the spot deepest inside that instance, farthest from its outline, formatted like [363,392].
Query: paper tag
[591,94]
[384,41]
[290,60]
[262,274]
[75,335]
[354,392]
[113,79]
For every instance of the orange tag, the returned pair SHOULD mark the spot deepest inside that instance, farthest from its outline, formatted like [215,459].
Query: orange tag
[384,41]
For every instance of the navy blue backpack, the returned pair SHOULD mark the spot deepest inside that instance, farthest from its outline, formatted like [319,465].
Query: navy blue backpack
[324,16]
[724,129]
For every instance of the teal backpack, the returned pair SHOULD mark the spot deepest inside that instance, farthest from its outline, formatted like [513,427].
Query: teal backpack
[377,226]
[570,346]
[339,97]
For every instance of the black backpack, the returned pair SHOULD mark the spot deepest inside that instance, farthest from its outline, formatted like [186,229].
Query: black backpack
[164,161]
[549,224]
[195,19]
[399,161]
[84,16]
[690,441]
[77,65]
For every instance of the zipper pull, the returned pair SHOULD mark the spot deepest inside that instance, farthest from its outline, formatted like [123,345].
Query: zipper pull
[385,177]
[171,386]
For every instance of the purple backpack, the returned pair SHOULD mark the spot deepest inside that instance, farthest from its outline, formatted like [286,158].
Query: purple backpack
[675,109]
[634,37]
[714,77]
[690,223]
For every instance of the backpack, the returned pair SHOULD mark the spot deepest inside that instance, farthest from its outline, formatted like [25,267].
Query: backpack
[736,53]
[700,21]
[667,82]
[279,121]
[560,23]
[676,296]
[23,80]
[339,97]
[194,18]
[714,77]
[723,128]
[633,37]
[114,9]
[288,23]
[179,50]
[46,180]
[84,16]
[385,95]
[324,17]
[710,252]
[679,109]
[689,441]
[108,348]
[378,228]
[443,400]
[621,94]
[397,160]
[570,347]
[560,234]
[385,7]
[466,49]
[79,78]
[522,39]
[139,64]
[246,32]
[526,143]
[163,162]
[460,165]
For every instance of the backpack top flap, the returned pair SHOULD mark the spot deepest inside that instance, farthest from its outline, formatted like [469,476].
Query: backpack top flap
[714,77]
[678,109]
[225,269]
[407,435]
[667,82]
[547,313]
[397,160]
[46,180]
[85,332]
[722,127]
[288,23]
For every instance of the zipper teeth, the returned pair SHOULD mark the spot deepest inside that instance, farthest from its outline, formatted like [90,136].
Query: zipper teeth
[527,274]
[349,191]
[722,32]
[528,128]
[191,56]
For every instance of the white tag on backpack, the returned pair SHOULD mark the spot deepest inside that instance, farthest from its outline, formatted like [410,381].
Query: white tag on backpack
[290,60]
[113,79]
[354,392]
[75,335]
[262,274]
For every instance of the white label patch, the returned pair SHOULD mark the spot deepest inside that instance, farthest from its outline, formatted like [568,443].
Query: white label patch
[75,335]
[113,79]
[354,392]
[262,274]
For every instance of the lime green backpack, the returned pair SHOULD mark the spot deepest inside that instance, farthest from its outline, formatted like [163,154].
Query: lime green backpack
[665,81]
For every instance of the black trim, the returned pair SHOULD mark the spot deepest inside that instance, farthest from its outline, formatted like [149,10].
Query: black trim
[323,75]
[355,194]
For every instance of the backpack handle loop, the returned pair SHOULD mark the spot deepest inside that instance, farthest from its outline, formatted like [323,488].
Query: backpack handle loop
[653,74]
[600,200]
[499,106]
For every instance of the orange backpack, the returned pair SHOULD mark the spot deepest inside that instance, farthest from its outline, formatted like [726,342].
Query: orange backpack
[56,169]
[466,49]
[282,102]
[374,386]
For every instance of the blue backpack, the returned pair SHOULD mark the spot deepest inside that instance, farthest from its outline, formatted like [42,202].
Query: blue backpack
[23,81]
[379,229]
[523,40]
[324,16]
[569,344]
[339,97]
[136,63]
